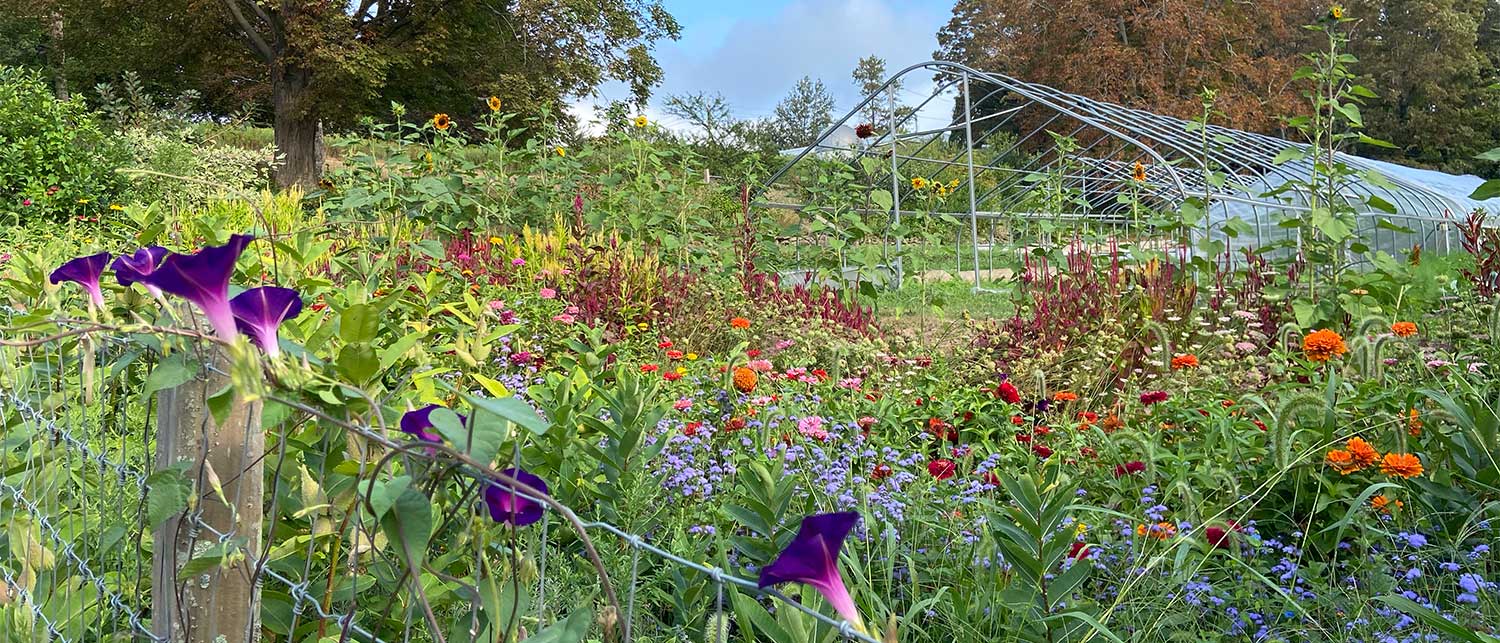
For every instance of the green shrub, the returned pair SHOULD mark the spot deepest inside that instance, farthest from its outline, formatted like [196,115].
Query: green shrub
[183,173]
[55,161]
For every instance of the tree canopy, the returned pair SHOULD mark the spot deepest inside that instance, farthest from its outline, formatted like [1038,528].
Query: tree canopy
[316,62]
[1435,64]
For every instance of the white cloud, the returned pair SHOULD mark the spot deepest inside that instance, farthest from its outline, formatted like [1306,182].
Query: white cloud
[755,61]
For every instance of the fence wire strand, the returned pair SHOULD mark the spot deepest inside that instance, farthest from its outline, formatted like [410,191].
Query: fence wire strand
[77,426]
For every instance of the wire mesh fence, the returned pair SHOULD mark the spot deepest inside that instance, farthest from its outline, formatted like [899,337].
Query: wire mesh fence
[117,528]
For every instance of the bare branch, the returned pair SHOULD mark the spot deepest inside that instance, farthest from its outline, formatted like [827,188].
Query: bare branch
[256,41]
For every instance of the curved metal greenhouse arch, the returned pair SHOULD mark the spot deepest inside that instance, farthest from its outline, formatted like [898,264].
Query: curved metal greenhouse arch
[1012,136]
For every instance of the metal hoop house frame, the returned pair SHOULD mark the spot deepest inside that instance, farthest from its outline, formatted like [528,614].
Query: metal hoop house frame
[1007,133]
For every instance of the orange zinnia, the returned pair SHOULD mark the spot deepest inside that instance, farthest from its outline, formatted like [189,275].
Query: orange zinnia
[1188,360]
[1064,396]
[1159,531]
[1364,454]
[739,322]
[745,379]
[1404,465]
[1323,345]
[1138,172]
[1404,329]
[1341,461]
[1383,504]
[1413,424]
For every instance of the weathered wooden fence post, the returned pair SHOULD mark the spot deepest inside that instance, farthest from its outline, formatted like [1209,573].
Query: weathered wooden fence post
[222,603]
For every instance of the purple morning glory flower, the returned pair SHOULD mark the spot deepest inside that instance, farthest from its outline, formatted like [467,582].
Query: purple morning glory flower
[419,423]
[85,272]
[812,559]
[258,312]
[508,506]
[203,278]
[132,268]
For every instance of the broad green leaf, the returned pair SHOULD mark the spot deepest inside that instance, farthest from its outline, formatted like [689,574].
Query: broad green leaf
[358,363]
[511,409]
[1289,154]
[409,524]
[398,349]
[492,387]
[1487,190]
[572,629]
[168,493]
[170,373]
[359,323]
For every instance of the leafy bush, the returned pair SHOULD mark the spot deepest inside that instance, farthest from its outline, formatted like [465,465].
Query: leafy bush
[55,161]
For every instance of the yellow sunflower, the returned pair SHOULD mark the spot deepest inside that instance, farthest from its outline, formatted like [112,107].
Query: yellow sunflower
[442,122]
[640,121]
[494,103]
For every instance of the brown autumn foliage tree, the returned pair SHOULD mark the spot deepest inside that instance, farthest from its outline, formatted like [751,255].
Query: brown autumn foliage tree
[1150,54]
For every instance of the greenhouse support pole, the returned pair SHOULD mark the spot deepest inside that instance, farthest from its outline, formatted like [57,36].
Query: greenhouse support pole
[969,160]
[900,265]
[222,461]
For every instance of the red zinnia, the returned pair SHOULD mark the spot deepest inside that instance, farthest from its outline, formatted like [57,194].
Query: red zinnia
[1218,536]
[1023,438]
[649,368]
[1017,420]
[674,354]
[1078,550]
[1041,450]
[752,353]
[941,469]
[734,424]
[1134,466]
[1153,397]
[881,472]
[990,478]
[1007,391]
[692,428]
[864,130]
[671,376]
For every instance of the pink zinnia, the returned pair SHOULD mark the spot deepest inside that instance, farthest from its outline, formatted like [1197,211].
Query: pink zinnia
[548,293]
[518,262]
[496,304]
[812,427]
[682,404]
[850,383]
[760,365]
[563,317]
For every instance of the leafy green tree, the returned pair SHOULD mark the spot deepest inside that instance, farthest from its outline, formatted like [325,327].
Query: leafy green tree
[805,112]
[313,63]
[1435,82]
[869,75]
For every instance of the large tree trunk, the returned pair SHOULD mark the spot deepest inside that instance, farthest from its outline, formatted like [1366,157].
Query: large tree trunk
[299,131]
[55,55]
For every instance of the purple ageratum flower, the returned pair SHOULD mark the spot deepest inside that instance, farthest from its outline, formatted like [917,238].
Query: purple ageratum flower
[85,272]
[134,267]
[812,559]
[203,278]
[258,312]
[508,506]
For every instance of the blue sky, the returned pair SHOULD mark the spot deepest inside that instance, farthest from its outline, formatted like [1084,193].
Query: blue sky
[753,52]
